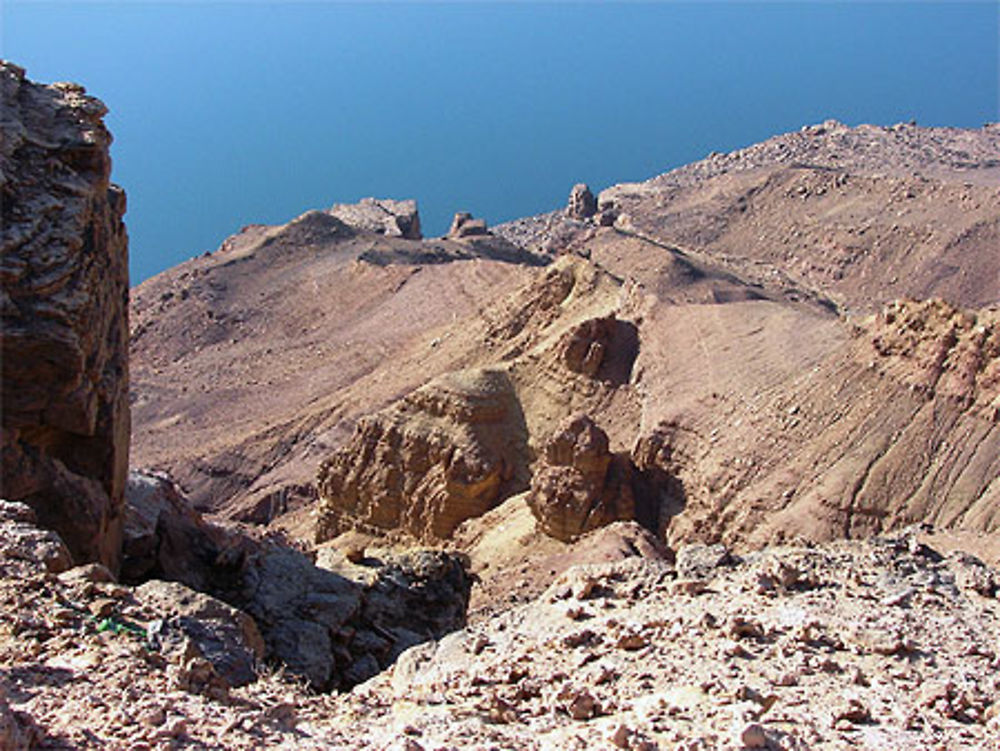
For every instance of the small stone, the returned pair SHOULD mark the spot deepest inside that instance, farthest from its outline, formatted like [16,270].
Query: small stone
[740,627]
[153,717]
[753,736]
[102,607]
[577,613]
[632,640]
[584,588]
[583,706]
[620,736]
[90,572]
[853,711]
[692,587]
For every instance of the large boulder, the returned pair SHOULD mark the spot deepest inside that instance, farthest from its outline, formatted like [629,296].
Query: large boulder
[443,454]
[603,348]
[201,627]
[165,538]
[337,624]
[64,304]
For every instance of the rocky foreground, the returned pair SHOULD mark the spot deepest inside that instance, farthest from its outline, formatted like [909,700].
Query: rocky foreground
[881,644]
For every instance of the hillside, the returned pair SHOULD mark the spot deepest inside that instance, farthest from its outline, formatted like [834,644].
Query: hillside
[757,364]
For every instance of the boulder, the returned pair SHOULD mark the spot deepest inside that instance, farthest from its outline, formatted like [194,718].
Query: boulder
[24,547]
[64,305]
[164,538]
[382,216]
[338,626]
[582,204]
[580,485]
[603,348]
[447,452]
[464,225]
[195,625]
[334,628]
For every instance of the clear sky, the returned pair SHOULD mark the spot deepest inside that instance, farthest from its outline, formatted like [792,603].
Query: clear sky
[228,113]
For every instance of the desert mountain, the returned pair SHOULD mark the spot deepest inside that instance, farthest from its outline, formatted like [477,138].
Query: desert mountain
[729,326]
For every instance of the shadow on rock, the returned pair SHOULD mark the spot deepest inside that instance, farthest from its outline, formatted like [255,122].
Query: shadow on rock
[332,629]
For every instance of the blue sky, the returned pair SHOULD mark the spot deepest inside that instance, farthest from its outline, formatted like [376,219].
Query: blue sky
[228,113]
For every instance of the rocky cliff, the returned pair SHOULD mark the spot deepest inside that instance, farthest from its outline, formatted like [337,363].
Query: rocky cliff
[65,315]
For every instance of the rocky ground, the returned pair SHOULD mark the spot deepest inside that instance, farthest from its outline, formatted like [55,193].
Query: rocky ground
[880,644]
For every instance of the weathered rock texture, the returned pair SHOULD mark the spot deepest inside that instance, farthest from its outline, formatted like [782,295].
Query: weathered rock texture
[381,215]
[334,624]
[437,457]
[202,629]
[885,643]
[65,314]
[602,348]
[581,486]
[164,538]
[582,204]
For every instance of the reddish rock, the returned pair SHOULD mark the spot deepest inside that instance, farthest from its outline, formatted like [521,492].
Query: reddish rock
[581,486]
[65,315]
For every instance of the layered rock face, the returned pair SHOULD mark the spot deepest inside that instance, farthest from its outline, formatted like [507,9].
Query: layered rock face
[65,315]
[581,485]
[429,462]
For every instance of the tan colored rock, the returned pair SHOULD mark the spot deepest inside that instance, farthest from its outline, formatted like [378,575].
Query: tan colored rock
[27,546]
[437,457]
[580,485]
[65,316]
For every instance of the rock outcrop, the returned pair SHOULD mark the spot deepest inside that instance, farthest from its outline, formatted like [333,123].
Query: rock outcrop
[437,457]
[582,204]
[164,538]
[465,225]
[581,485]
[940,350]
[603,348]
[382,216]
[334,624]
[65,315]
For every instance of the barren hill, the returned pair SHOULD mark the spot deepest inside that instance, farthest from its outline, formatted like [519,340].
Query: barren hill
[738,364]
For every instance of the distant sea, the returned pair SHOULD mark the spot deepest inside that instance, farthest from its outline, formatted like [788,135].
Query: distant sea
[228,113]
